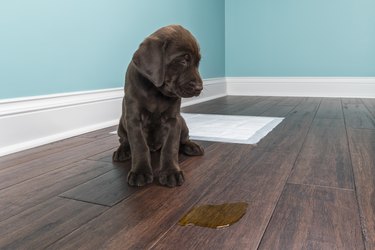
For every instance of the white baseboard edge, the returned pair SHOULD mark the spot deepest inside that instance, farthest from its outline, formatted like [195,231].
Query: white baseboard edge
[34,121]
[349,87]
[54,137]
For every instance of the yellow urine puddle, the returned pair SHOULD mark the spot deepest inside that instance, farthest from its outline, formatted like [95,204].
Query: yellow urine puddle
[214,216]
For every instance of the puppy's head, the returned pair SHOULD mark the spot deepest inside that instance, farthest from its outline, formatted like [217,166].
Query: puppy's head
[169,58]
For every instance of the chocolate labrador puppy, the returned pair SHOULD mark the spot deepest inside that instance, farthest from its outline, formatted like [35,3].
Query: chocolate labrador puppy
[163,70]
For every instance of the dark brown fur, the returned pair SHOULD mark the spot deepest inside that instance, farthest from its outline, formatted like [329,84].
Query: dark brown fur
[163,69]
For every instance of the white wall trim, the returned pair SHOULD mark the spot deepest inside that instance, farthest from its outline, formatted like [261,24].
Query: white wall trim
[38,103]
[351,87]
[33,121]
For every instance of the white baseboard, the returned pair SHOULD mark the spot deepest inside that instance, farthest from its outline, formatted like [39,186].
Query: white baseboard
[351,87]
[33,121]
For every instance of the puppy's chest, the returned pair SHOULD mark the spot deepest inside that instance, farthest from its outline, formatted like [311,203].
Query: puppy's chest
[151,120]
[153,131]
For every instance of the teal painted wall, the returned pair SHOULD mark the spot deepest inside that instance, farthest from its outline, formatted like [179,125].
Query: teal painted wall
[51,46]
[300,38]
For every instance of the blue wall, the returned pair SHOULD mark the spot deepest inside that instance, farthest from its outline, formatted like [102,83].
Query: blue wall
[51,46]
[300,38]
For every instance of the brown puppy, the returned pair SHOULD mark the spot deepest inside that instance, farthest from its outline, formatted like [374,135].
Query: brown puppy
[163,69]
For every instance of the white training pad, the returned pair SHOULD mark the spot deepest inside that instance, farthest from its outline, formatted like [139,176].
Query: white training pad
[229,128]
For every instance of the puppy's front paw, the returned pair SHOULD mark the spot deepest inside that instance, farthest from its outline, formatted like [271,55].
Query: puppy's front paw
[171,178]
[139,179]
[192,148]
[121,155]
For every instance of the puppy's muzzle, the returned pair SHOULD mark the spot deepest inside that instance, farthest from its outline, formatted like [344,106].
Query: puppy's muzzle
[191,89]
[198,89]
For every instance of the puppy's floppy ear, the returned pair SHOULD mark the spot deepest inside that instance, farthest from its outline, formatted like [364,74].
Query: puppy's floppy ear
[149,60]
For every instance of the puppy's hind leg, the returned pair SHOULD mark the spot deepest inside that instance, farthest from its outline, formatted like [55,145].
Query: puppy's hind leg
[187,146]
[123,152]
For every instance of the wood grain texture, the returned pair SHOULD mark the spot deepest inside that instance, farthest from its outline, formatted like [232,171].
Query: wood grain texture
[346,101]
[291,101]
[362,148]
[290,133]
[106,189]
[105,156]
[39,152]
[40,226]
[308,217]
[228,105]
[27,170]
[259,183]
[330,108]
[112,187]
[307,107]
[150,213]
[258,108]
[311,139]
[99,134]
[370,105]
[239,105]
[358,116]
[324,159]
[278,111]
[22,196]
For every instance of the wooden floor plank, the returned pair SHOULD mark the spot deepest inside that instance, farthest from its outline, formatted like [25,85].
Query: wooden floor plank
[105,156]
[330,108]
[259,183]
[22,196]
[110,188]
[370,105]
[290,101]
[346,101]
[106,189]
[324,159]
[290,133]
[27,170]
[40,226]
[38,152]
[307,107]
[362,148]
[278,111]
[99,134]
[147,218]
[150,213]
[358,116]
[225,106]
[309,217]
[258,108]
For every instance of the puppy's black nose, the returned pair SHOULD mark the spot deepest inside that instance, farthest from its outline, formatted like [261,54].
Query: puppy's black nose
[198,88]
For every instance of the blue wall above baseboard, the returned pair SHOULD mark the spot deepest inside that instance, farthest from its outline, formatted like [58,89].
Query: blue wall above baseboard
[50,46]
[300,38]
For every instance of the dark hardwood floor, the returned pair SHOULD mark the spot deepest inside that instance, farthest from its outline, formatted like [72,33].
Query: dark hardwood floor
[310,184]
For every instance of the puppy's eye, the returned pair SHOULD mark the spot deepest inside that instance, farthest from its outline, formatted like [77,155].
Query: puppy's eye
[185,60]
[187,57]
